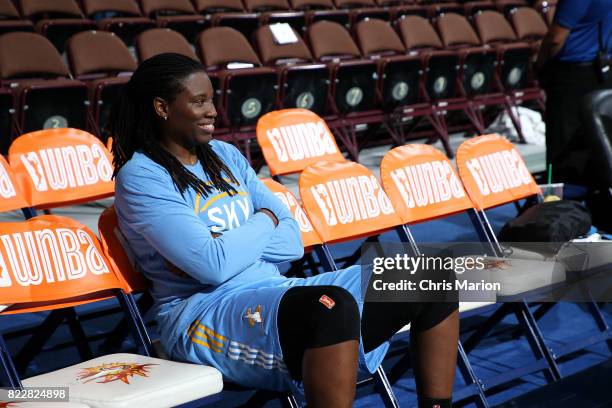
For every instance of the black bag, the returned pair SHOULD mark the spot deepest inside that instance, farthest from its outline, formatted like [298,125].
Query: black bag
[554,221]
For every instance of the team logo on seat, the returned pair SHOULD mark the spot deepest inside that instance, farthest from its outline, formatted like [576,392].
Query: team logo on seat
[305,100]
[439,85]
[354,96]
[55,122]
[251,108]
[110,372]
[400,90]
[515,76]
[477,81]
[253,316]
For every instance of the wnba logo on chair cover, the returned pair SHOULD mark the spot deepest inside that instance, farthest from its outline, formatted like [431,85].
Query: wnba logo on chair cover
[48,258]
[422,183]
[291,139]
[345,199]
[493,172]
[12,197]
[61,165]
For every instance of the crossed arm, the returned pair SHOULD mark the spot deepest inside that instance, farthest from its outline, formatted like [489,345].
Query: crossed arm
[154,208]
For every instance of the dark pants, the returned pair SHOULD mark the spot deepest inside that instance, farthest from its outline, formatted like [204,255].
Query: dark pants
[566,146]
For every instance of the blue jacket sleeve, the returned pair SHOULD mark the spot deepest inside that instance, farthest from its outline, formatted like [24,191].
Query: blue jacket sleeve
[154,208]
[286,242]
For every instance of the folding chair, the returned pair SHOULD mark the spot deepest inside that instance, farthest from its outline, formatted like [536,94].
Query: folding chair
[494,173]
[178,15]
[160,40]
[344,202]
[292,139]
[116,249]
[55,168]
[423,186]
[246,89]
[57,20]
[353,90]
[122,17]
[10,20]
[302,83]
[59,167]
[103,61]
[74,272]
[45,97]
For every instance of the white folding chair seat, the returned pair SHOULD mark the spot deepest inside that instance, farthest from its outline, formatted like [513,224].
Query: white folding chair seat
[131,380]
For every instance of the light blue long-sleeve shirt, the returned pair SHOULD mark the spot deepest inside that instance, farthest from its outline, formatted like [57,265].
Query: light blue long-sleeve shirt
[167,230]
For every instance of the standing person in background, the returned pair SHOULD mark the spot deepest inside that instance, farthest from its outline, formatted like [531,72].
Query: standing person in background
[574,60]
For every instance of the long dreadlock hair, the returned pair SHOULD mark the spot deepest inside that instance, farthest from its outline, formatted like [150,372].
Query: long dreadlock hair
[134,124]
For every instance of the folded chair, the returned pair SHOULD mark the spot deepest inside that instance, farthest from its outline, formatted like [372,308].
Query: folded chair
[45,94]
[494,173]
[57,20]
[75,271]
[122,17]
[116,249]
[292,139]
[228,13]
[247,89]
[302,83]
[104,62]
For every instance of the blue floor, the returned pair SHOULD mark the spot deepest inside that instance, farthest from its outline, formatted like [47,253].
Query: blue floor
[496,354]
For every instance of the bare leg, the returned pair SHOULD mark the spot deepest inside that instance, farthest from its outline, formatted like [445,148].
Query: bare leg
[330,375]
[434,355]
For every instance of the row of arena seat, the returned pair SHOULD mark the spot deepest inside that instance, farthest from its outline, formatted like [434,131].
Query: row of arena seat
[60,19]
[33,169]
[372,73]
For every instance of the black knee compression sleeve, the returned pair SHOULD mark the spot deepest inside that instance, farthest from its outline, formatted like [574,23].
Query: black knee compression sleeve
[315,316]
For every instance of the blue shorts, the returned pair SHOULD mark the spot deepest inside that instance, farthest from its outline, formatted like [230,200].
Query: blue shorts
[237,333]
